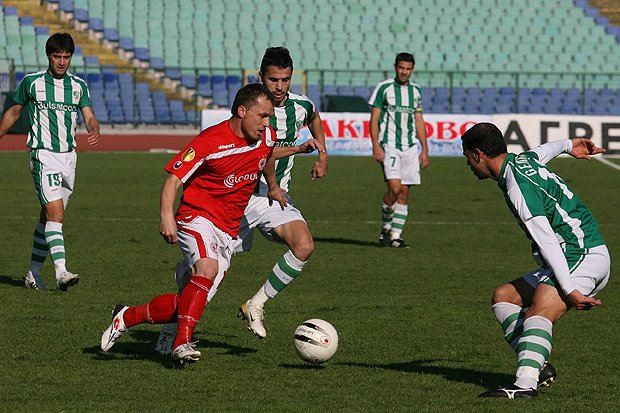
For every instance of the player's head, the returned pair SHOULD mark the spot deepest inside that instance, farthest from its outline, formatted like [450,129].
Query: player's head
[59,49]
[276,71]
[403,66]
[251,109]
[482,142]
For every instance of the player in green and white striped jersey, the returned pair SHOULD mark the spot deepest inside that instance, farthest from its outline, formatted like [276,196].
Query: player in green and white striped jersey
[397,131]
[52,99]
[291,113]
[567,244]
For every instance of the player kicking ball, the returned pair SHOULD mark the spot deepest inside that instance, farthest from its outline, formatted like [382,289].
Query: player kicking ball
[219,170]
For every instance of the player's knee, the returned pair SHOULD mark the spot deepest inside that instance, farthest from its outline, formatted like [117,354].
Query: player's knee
[505,293]
[303,249]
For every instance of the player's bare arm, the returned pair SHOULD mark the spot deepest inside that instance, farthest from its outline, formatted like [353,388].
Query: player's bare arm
[275,192]
[319,167]
[309,146]
[92,126]
[377,152]
[168,225]
[583,148]
[9,118]
[420,128]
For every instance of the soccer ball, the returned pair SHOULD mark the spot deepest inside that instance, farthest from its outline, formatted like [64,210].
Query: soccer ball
[316,341]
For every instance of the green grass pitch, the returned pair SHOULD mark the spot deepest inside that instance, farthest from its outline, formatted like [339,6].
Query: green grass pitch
[416,330]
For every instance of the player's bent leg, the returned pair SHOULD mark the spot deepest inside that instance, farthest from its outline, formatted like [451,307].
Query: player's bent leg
[296,235]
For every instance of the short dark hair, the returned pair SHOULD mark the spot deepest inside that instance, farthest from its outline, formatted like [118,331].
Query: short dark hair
[404,57]
[485,137]
[276,56]
[59,42]
[248,95]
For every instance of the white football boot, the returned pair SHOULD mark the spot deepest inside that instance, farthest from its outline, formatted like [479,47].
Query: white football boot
[66,280]
[254,314]
[34,281]
[186,353]
[165,341]
[116,329]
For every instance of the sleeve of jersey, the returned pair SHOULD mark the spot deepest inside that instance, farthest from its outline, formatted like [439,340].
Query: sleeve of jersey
[21,94]
[186,162]
[542,233]
[550,150]
[525,197]
[376,99]
[85,99]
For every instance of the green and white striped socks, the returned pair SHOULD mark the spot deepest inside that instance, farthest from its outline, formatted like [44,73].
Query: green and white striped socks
[534,348]
[398,222]
[39,249]
[283,273]
[531,339]
[56,243]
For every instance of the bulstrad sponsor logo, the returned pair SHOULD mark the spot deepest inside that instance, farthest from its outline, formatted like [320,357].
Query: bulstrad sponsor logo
[56,106]
[229,146]
[232,180]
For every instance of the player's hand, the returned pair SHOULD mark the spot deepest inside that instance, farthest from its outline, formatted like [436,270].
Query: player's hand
[279,195]
[311,145]
[424,160]
[378,154]
[93,137]
[168,229]
[583,148]
[319,169]
[582,302]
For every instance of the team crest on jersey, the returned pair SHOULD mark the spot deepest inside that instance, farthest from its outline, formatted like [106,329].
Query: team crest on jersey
[213,247]
[188,155]
[76,95]
[261,164]
[177,165]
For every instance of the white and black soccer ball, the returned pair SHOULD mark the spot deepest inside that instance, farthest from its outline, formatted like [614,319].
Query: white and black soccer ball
[316,341]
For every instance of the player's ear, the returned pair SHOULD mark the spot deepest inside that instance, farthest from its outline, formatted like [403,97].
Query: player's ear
[241,111]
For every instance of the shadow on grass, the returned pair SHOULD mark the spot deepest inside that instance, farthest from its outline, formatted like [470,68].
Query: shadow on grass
[457,374]
[144,349]
[8,280]
[332,240]
[302,366]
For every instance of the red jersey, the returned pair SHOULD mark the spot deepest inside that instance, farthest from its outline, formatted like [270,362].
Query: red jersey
[219,171]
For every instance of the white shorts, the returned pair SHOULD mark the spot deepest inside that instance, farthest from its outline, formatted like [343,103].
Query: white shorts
[53,174]
[589,277]
[199,238]
[402,165]
[258,214]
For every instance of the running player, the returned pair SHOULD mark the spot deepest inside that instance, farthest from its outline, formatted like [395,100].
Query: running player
[291,113]
[218,170]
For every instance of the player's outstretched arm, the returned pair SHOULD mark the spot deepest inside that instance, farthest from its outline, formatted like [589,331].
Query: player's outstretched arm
[309,146]
[275,193]
[168,225]
[9,118]
[583,148]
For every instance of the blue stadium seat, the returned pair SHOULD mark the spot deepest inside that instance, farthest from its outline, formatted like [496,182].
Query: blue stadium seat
[81,15]
[204,86]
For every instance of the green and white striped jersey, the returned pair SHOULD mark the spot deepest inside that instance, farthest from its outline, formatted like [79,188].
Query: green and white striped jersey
[287,121]
[398,104]
[531,189]
[52,106]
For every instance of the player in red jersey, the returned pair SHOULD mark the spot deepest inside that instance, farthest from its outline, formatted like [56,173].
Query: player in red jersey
[218,170]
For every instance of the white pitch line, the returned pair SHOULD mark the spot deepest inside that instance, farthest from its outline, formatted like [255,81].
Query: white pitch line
[607,162]
[318,222]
